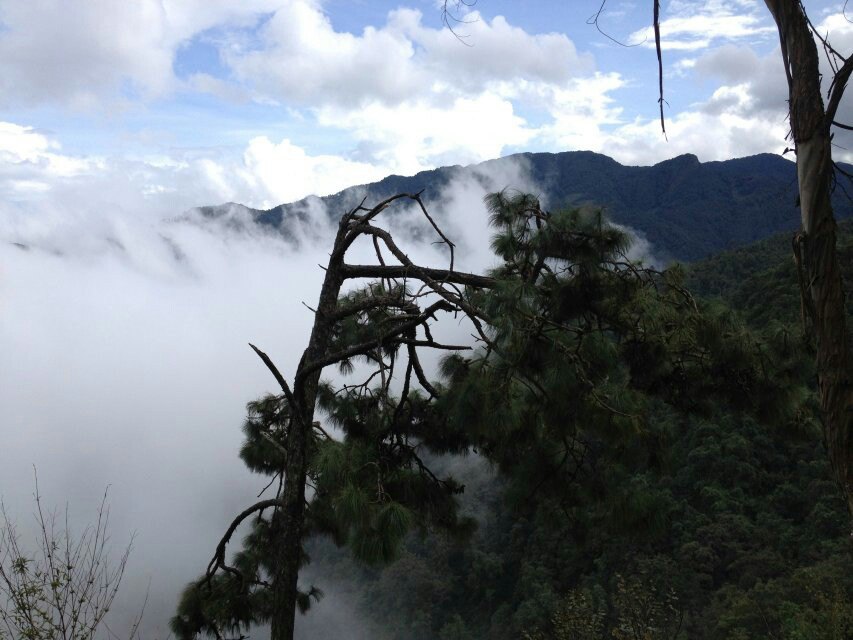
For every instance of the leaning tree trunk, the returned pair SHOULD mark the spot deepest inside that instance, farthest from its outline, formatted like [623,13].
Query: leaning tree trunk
[288,525]
[289,520]
[810,128]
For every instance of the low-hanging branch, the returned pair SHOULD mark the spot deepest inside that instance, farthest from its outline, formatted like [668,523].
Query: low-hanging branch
[288,394]
[218,560]
[836,90]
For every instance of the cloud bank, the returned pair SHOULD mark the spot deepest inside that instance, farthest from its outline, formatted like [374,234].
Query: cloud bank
[124,332]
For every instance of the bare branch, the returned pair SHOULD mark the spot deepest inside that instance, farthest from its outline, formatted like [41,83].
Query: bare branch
[404,394]
[218,560]
[595,20]
[660,63]
[437,286]
[432,344]
[316,425]
[443,237]
[64,589]
[448,17]
[836,90]
[387,339]
[279,378]
[419,371]
[351,271]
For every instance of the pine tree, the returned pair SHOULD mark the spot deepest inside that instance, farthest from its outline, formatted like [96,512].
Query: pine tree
[588,353]
[580,355]
[368,483]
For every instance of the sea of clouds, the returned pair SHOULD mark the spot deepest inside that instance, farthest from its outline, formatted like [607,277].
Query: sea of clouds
[124,332]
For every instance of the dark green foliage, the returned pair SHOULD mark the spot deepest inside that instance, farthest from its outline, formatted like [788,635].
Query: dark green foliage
[761,281]
[585,347]
[263,430]
[718,522]
[235,601]
[373,484]
[755,543]
[654,462]
[370,486]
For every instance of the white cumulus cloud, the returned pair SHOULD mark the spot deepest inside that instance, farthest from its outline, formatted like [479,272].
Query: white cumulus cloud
[81,52]
[416,135]
[303,59]
[691,26]
[287,173]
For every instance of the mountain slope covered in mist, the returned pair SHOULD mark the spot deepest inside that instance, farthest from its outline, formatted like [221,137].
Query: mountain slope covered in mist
[686,208]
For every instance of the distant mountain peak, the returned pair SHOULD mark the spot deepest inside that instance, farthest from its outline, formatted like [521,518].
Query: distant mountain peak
[686,159]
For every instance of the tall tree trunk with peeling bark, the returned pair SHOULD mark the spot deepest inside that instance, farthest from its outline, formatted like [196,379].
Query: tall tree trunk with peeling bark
[810,128]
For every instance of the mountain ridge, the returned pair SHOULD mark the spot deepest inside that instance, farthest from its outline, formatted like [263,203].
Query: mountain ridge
[688,209]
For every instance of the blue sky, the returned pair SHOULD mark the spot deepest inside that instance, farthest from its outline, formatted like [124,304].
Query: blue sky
[185,102]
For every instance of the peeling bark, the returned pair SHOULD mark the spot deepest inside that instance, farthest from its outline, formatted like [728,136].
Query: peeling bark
[810,128]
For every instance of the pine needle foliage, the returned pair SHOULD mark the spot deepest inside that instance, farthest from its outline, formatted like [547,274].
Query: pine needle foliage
[374,481]
[361,477]
[734,521]
[591,358]
[370,489]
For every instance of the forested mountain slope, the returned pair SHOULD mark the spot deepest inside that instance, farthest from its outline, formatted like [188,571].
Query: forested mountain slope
[687,209]
[760,280]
